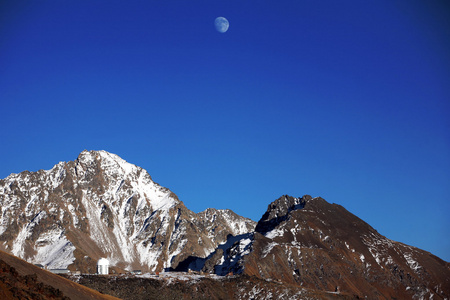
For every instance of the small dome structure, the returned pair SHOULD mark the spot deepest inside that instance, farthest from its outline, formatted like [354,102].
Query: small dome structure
[103,266]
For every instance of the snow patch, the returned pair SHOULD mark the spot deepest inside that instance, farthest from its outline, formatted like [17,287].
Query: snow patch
[375,255]
[54,250]
[268,248]
[26,231]
[411,262]
[274,233]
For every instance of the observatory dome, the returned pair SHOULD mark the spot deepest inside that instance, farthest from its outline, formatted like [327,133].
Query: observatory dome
[103,266]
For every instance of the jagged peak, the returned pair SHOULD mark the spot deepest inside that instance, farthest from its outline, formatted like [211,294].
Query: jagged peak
[213,211]
[287,203]
[106,159]
[100,154]
[278,211]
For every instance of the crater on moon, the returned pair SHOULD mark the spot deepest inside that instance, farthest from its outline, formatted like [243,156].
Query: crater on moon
[221,24]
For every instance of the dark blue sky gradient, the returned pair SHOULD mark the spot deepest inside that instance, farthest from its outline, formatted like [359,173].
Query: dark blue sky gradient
[345,100]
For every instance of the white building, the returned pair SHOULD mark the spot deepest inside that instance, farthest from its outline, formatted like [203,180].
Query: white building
[103,266]
[60,271]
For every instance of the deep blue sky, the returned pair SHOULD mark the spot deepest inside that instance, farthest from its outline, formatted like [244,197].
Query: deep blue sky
[348,100]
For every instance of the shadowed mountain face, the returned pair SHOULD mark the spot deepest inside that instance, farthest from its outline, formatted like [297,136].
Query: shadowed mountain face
[101,206]
[278,211]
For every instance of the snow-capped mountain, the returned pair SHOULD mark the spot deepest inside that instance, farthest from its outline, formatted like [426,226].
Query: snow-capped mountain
[102,206]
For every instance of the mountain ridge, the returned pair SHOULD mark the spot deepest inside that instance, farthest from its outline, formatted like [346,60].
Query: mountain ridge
[309,242]
[99,205]
[324,246]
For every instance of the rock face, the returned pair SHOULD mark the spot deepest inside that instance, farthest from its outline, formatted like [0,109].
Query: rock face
[101,206]
[321,246]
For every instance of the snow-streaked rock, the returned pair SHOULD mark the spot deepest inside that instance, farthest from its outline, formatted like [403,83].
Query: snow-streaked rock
[311,243]
[102,206]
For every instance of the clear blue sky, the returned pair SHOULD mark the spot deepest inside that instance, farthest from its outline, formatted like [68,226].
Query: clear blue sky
[348,100]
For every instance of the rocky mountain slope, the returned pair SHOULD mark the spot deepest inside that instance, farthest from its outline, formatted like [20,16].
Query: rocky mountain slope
[311,243]
[241,287]
[101,206]
[21,280]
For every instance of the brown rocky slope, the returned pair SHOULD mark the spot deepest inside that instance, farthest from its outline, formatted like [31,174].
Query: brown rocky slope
[235,287]
[323,246]
[302,248]
[21,280]
[311,243]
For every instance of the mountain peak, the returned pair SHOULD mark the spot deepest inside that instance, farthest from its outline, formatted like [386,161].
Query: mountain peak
[102,206]
[106,159]
[278,211]
[95,154]
[320,245]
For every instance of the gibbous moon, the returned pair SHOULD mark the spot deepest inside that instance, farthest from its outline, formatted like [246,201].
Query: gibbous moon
[221,24]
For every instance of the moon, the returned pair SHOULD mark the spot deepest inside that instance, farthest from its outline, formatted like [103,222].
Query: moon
[221,24]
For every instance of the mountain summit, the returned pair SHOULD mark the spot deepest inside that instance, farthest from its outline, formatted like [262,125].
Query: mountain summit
[101,206]
[311,243]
